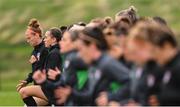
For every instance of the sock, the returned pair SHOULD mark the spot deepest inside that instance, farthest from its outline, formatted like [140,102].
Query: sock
[48,104]
[29,101]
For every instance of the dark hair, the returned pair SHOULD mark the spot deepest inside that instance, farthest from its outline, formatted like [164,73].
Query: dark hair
[63,29]
[101,22]
[56,33]
[121,28]
[35,26]
[164,35]
[129,15]
[108,20]
[82,24]
[165,38]
[94,34]
[160,20]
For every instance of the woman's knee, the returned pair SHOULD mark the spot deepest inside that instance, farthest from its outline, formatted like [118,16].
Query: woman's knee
[34,91]
[23,92]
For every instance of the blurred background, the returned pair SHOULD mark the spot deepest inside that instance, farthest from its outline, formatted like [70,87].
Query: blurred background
[15,14]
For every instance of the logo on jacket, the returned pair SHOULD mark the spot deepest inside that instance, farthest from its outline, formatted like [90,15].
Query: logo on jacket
[66,64]
[167,77]
[97,74]
[150,80]
[38,56]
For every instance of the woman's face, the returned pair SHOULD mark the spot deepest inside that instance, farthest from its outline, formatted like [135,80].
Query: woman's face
[48,40]
[31,37]
[85,51]
[66,43]
[161,53]
[116,51]
[139,51]
[122,40]
[110,37]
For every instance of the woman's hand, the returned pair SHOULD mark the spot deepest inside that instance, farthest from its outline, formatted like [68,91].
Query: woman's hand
[22,84]
[39,76]
[52,74]
[102,100]
[62,94]
[32,59]
[153,100]
[114,104]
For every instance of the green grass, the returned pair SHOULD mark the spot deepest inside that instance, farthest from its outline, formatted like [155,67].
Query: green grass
[10,98]
[14,66]
[15,14]
[8,82]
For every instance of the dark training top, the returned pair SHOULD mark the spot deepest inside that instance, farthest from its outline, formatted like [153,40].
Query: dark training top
[72,62]
[170,85]
[53,60]
[101,74]
[144,82]
[74,74]
[40,52]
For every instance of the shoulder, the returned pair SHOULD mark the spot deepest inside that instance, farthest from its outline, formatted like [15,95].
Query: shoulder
[109,63]
[43,50]
[55,53]
[72,56]
[74,59]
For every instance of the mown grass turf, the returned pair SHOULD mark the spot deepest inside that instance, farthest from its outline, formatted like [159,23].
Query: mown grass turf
[8,82]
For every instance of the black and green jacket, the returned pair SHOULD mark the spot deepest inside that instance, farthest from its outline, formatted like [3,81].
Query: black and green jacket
[101,74]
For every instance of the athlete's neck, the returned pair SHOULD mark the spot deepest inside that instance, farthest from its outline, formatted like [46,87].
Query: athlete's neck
[38,42]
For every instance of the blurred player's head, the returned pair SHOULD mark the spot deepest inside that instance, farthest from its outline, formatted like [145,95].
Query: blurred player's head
[128,15]
[121,30]
[151,40]
[139,47]
[100,22]
[160,20]
[91,43]
[69,40]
